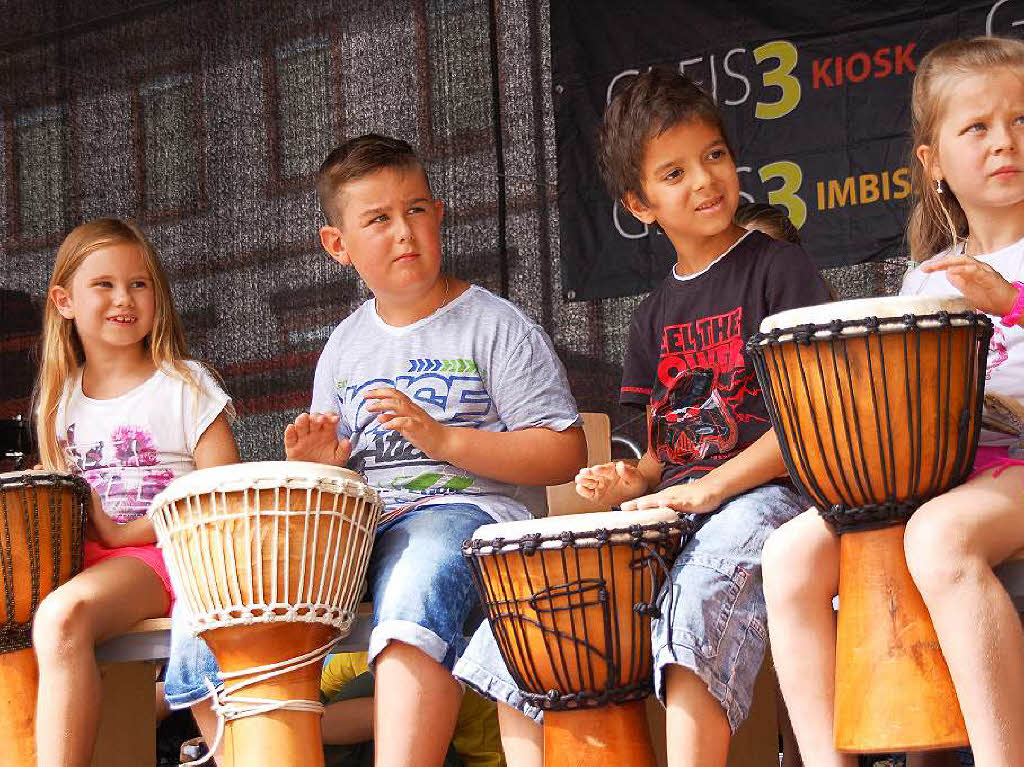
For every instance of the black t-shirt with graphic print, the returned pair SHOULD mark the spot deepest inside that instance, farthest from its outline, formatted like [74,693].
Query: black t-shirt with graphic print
[685,355]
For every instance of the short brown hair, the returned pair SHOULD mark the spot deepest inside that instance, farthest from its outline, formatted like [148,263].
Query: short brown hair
[648,106]
[355,159]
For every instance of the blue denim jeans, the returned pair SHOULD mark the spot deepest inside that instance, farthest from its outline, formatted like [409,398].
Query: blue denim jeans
[717,619]
[421,588]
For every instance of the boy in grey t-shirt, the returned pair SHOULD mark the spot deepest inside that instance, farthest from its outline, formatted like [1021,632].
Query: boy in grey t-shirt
[446,398]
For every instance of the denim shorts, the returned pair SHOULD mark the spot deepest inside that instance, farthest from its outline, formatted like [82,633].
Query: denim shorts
[421,588]
[716,618]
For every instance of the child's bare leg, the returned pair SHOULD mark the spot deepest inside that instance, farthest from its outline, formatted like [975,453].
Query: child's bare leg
[693,716]
[952,544]
[416,703]
[206,721]
[94,605]
[522,739]
[800,567]
[790,750]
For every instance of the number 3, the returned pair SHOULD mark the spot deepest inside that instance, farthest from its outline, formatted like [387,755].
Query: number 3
[780,77]
[792,176]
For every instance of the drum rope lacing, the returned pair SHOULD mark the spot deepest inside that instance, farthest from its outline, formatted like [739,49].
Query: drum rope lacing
[228,706]
[331,600]
[503,609]
[318,608]
[337,518]
[18,636]
[850,433]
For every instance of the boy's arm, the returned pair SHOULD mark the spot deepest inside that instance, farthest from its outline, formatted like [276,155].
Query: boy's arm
[531,456]
[314,437]
[610,484]
[758,464]
[535,456]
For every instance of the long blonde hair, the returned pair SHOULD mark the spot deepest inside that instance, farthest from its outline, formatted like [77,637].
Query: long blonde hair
[62,352]
[937,221]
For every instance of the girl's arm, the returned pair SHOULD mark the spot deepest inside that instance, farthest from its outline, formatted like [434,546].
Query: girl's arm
[216,447]
[984,288]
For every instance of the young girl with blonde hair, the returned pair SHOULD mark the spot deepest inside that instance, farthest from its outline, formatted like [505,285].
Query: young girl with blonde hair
[119,403]
[967,228]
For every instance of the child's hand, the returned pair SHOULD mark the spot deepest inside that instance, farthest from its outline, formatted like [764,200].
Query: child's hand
[314,437]
[610,483]
[982,286]
[401,414]
[697,497]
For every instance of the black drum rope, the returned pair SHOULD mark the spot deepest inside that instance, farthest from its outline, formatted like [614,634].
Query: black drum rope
[571,644]
[767,351]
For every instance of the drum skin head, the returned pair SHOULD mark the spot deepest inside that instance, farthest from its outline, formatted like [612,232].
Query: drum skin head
[267,542]
[862,308]
[259,474]
[574,523]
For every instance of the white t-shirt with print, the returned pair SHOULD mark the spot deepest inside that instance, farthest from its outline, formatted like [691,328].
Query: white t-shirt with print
[131,447]
[1005,375]
[476,363]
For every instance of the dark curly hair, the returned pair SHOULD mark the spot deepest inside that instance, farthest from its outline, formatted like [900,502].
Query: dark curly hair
[646,107]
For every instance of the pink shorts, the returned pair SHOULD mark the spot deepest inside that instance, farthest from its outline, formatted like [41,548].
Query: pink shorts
[997,458]
[150,555]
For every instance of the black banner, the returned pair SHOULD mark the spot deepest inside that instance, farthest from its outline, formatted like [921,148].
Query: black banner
[816,102]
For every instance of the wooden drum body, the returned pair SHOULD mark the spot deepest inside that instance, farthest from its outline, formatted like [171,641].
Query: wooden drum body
[570,600]
[271,560]
[877,405]
[42,520]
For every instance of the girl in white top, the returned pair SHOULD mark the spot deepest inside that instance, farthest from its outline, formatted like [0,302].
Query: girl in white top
[968,228]
[119,403]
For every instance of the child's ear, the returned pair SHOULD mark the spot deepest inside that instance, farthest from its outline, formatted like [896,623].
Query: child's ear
[439,207]
[333,241]
[639,210]
[926,155]
[62,300]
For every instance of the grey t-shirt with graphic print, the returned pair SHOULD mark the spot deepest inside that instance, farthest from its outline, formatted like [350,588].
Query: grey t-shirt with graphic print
[477,363]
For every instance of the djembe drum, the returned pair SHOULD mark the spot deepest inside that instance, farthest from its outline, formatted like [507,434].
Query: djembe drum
[877,405]
[42,519]
[570,601]
[270,559]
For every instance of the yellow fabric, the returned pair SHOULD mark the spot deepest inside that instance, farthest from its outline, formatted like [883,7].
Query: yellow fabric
[340,669]
[476,740]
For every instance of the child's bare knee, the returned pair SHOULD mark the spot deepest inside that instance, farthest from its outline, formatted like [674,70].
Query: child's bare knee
[936,556]
[789,555]
[60,625]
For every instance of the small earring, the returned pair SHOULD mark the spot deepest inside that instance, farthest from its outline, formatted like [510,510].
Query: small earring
[939,187]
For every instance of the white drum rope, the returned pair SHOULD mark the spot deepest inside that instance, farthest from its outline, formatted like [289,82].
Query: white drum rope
[199,535]
[228,705]
[254,551]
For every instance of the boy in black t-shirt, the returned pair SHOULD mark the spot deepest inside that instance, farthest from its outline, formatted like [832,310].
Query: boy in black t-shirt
[712,451]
